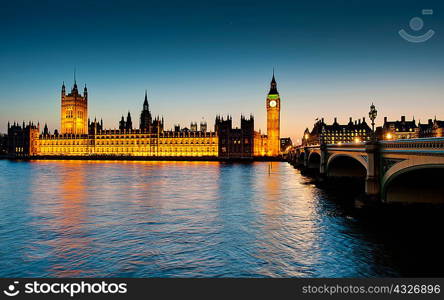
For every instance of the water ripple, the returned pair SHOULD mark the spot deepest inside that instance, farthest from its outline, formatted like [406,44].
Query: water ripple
[176,219]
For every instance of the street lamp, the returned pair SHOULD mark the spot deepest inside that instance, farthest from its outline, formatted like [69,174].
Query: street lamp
[372,114]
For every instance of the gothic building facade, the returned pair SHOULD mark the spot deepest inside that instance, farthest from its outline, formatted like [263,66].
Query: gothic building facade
[403,129]
[235,142]
[74,111]
[406,129]
[273,104]
[357,131]
[81,137]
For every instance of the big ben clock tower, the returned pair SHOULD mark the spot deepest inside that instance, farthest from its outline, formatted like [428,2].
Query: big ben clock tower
[273,119]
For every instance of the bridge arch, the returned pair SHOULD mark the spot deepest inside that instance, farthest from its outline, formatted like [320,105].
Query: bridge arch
[421,183]
[314,160]
[301,157]
[345,165]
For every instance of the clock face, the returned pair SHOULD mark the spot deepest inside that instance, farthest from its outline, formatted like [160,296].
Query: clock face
[272,103]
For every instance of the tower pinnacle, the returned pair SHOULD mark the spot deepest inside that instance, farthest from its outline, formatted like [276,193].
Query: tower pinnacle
[273,85]
[145,102]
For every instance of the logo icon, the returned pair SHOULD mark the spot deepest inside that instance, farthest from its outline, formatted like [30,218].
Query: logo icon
[416,24]
[11,290]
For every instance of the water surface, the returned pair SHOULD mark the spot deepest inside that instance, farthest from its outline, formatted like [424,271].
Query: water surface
[184,219]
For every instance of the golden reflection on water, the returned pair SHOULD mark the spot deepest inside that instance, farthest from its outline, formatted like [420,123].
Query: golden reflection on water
[188,219]
[63,205]
[75,186]
[288,220]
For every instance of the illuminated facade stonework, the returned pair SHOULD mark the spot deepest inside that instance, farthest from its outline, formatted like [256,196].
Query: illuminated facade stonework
[273,104]
[80,137]
[74,111]
[131,143]
[151,140]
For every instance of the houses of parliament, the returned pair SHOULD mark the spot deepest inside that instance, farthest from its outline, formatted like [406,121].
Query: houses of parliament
[79,136]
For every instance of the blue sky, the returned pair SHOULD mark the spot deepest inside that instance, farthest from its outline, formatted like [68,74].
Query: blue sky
[202,58]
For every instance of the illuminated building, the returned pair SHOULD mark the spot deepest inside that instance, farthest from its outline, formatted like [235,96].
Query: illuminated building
[395,130]
[285,144]
[149,140]
[433,128]
[352,132]
[273,104]
[81,137]
[74,111]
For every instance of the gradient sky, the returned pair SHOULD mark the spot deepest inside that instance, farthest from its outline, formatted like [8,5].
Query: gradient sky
[199,59]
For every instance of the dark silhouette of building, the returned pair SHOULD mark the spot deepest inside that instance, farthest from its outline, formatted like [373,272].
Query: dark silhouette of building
[203,126]
[126,125]
[145,116]
[94,127]
[147,124]
[129,122]
[122,124]
[46,130]
[3,144]
[22,140]
[235,142]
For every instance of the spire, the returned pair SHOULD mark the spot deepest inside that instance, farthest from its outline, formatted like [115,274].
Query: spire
[273,85]
[74,89]
[145,103]
[63,89]
[85,92]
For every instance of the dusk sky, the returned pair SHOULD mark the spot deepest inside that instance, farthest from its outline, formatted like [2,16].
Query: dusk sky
[199,59]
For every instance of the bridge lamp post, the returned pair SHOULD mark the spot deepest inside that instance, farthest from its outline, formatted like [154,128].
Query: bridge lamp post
[373,114]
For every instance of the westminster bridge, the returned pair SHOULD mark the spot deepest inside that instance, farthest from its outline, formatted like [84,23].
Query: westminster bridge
[409,170]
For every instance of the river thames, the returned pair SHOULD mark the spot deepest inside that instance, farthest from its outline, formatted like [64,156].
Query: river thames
[195,219]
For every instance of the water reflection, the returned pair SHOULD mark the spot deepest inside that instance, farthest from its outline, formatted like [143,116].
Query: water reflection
[60,217]
[179,219]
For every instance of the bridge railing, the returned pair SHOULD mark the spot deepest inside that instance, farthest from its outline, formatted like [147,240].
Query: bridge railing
[418,144]
[414,144]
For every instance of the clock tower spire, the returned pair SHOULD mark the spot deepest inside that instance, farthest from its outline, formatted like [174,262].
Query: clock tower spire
[273,104]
